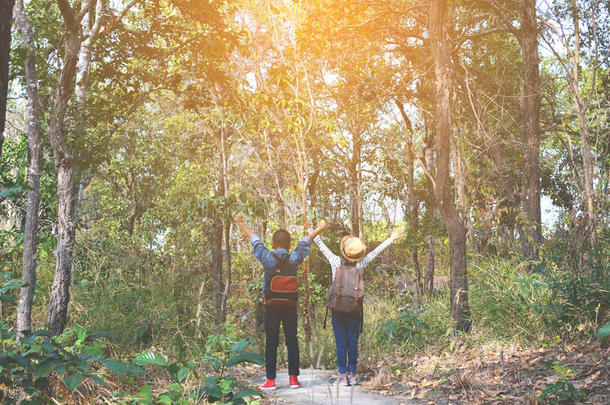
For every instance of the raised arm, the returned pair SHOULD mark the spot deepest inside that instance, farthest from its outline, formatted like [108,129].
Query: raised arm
[396,234]
[333,259]
[239,220]
[260,252]
[313,234]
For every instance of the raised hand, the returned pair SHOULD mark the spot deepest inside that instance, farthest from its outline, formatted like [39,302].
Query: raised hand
[316,231]
[238,218]
[306,223]
[397,233]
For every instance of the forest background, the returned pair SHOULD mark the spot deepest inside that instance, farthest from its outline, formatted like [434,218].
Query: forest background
[134,131]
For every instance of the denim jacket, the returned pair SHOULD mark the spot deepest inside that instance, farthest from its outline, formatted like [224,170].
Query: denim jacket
[268,258]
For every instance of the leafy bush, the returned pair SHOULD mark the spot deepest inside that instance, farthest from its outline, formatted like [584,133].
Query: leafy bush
[222,353]
[402,328]
[579,276]
[26,362]
[562,391]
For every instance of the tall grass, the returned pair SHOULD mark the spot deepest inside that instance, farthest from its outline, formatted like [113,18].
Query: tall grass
[507,301]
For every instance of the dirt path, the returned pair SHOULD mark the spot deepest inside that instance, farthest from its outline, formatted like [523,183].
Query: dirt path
[319,389]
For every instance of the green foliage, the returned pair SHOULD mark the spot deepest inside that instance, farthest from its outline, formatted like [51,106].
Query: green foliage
[26,362]
[562,391]
[579,277]
[508,301]
[403,328]
[222,352]
[604,331]
[8,287]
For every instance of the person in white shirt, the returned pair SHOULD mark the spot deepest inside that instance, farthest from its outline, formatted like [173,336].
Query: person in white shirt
[347,327]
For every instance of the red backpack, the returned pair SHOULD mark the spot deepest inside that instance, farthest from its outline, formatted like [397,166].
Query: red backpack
[282,284]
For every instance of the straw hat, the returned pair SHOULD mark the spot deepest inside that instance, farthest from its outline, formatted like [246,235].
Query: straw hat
[353,248]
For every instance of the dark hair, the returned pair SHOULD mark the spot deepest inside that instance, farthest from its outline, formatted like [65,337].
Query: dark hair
[281,239]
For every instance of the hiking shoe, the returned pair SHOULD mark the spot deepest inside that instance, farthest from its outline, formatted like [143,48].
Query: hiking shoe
[342,379]
[269,385]
[351,378]
[294,382]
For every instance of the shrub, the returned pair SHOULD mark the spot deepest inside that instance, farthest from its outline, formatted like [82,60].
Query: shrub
[507,300]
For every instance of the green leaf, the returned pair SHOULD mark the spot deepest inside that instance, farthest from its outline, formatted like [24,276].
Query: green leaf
[246,358]
[214,361]
[145,395]
[182,374]
[214,391]
[119,368]
[150,358]
[45,367]
[164,399]
[94,351]
[227,384]
[96,378]
[240,346]
[604,331]
[61,370]
[174,387]
[72,381]
[246,392]
[102,334]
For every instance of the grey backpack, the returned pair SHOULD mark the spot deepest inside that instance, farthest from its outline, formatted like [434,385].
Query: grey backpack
[346,290]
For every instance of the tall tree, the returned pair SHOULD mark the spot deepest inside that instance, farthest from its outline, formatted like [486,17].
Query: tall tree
[30,233]
[412,202]
[567,46]
[64,163]
[530,124]
[530,227]
[452,219]
[6,21]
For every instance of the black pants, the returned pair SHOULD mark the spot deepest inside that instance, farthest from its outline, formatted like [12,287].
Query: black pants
[274,315]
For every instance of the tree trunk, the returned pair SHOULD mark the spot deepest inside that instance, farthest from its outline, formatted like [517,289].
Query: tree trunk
[227,225]
[278,188]
[429,276]
[429,216]
[30,234]
[90,24]
[354,188]
[64,163]
[226,292]
[216,242]
[6,21]
[78,202]
[587,163]
[585,148]
[452,220]
[60,292]
[260,307]
[530,128]
[412,203]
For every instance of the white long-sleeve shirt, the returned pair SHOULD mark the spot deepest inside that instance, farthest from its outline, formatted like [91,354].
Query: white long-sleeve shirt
[335,261]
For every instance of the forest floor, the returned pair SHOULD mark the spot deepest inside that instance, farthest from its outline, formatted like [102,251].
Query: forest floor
[468,374]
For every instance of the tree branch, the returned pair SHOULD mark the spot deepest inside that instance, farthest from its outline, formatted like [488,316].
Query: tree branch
[68,14]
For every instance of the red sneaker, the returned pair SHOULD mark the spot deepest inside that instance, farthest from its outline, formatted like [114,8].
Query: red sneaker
[294,382]
[269,385]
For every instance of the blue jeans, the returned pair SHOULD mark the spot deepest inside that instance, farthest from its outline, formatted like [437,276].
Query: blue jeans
[347,333]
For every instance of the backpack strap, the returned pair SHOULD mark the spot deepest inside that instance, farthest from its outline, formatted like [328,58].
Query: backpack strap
[340,283]
[358,275]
